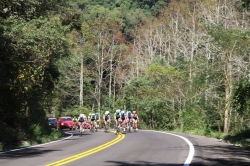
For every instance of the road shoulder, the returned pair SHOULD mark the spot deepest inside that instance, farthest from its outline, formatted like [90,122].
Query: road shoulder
[212,151]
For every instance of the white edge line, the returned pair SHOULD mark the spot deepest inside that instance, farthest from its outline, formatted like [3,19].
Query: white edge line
[191,147]
[38,144]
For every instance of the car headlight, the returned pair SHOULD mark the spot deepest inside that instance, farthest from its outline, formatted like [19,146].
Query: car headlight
[62,123]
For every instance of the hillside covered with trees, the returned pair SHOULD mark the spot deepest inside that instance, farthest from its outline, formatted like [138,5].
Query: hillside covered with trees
[182,64]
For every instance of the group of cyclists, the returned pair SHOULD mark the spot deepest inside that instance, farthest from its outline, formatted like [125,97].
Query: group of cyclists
[122,118]
[91,119]
[126,119]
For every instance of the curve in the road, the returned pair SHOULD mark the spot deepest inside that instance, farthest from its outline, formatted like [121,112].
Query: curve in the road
[89,152]
[191,148]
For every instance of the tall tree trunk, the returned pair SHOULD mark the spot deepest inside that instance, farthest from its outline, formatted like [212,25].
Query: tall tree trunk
[228,90]
[81,83]
[100,62]
[110,77]
[110,80]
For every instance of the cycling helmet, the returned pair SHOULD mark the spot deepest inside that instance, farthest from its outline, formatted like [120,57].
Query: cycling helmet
[118,111]
[106,112]
[93,114]
[97,113]
[122,112]
[129,112]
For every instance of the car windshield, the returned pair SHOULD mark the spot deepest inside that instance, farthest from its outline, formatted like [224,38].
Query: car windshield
[66,119]
[51,120]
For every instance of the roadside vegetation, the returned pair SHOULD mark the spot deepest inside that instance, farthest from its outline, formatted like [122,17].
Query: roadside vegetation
[36,135]
[183,65]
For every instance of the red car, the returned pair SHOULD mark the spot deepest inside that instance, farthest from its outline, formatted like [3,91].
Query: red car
[65,122]
[87,126]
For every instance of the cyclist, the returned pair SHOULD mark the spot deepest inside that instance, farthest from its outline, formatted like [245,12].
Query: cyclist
[93,120]
[82,121]
[117,116]
[130,119]
[75,120]
[135,120]
[106,119]
[123,119]
[98,120]
[89,118]
[82,115]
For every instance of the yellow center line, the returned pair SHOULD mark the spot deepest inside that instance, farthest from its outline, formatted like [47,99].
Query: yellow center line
[87,153]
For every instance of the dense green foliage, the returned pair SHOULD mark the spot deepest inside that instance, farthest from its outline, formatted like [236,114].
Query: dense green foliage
[183,65]
[31,42]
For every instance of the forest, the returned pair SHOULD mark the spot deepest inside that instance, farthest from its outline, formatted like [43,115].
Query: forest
[182,64]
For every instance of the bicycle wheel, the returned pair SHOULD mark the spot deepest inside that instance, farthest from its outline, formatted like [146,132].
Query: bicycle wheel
[93,128]
[129,127]
[121,130]
[105,128]
[81,130]
[108,127]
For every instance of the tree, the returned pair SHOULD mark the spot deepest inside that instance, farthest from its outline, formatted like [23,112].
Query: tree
[32,40]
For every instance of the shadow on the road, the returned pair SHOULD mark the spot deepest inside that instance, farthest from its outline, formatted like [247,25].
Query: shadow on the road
[76,137]
[140,163]
[25,153]
[222,155]
[78,134]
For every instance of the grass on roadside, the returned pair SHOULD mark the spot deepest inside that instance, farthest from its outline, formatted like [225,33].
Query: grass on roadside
[203,132]
[55,134]
[1,146]
[241,138]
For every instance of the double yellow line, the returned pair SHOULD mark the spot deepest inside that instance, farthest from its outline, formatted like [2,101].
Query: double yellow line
[86,153]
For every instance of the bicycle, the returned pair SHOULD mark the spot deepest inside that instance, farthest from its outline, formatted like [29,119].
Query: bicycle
[135,130]
[75,126]
[107,126]
[123,129]
[81,129]
[96,127]
[117,129]
[135,127]
[92,127]
[129,127]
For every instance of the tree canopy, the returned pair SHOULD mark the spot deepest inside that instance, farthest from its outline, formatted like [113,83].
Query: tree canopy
[183,65]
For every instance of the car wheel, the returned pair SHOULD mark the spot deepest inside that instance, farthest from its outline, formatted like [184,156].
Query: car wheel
[70,128]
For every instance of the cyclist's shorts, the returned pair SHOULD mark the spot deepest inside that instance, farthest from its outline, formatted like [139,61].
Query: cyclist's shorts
[108,120]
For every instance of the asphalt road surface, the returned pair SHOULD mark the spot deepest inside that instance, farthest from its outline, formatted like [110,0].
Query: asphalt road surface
[136,149]
[140,148]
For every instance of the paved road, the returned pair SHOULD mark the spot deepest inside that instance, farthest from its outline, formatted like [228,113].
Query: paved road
[136,149]
[214,152]
[140,148]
